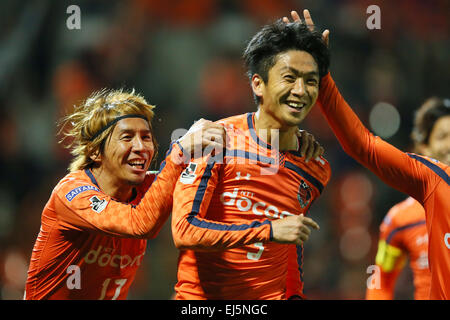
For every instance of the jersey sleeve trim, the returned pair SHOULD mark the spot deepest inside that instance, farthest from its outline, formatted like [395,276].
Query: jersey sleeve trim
[436,169]
[408,226]
[319,186]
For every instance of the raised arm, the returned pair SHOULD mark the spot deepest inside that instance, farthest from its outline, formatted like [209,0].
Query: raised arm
[83,206]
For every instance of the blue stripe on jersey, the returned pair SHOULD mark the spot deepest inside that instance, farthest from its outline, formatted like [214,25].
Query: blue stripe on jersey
[198,199]
[249,155]
[441,173]
[253,132]
[221,227]
[305,175]
[300,261]
[163,164]
[407,226]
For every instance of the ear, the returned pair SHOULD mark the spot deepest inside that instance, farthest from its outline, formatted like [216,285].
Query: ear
[96,157]
[258,85]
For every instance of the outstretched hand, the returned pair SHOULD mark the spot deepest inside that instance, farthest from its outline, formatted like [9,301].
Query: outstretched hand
[309,22]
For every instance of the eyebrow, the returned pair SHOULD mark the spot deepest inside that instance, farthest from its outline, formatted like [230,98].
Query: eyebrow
[296,72]
[122,131]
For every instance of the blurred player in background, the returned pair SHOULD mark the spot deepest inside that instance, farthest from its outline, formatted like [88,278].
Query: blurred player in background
[240,223]
[423,178]
[403,232]
[95,225]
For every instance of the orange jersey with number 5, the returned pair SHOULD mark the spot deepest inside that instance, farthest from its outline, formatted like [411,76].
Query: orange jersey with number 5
[221,220]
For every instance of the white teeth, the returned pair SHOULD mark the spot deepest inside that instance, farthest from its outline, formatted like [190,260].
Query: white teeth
[137,163]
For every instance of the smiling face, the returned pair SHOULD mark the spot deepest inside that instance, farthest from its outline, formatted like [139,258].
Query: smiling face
[128,153]
[291,90]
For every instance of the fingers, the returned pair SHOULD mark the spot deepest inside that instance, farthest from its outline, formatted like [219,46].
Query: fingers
[309,148]
[318,150]
[293,229]
[295,16]
[326,37]
[308,20]
[310,222]
[306,139]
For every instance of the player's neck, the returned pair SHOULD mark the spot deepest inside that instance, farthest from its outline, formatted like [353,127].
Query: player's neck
[271,130]
[113,188]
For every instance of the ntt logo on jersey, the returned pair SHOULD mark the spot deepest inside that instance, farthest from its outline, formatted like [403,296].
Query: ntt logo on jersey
[73,193]
[245,204]
[103,258]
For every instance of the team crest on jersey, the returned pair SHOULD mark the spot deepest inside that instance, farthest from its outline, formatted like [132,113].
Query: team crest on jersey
[188,176]
[97,204]
[304,194]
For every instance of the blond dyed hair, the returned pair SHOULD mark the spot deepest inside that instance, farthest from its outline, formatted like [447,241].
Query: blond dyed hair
[93,115]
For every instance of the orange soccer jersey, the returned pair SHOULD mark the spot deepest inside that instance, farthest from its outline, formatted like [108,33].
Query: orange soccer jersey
[403,234]
[222,216]
[90,245]
[423,178]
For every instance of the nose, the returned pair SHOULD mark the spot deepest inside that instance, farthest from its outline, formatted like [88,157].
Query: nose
[299,87]
[138,144]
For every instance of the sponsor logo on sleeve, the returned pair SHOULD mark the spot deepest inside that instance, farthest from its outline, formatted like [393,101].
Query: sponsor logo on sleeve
[188,176]
[98,205]
[74,192]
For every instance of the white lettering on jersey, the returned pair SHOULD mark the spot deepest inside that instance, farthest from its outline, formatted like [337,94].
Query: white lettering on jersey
[447,239]
[422,261]
[238,176]
[420,240]
[106,259]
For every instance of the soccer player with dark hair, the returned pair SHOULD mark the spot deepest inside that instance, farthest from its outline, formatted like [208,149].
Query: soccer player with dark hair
[403,233]
[422,177]
[95,225]
[240,223]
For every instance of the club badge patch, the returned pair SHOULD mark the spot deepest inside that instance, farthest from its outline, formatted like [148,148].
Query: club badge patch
[188,175]
[304,194]
[98,205]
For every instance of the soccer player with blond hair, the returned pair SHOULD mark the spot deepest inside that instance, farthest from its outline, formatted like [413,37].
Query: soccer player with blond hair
[95,225]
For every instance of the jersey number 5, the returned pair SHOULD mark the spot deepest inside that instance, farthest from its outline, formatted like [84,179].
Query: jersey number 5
[257,255]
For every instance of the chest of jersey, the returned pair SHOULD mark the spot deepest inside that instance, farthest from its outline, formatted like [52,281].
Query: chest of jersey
[256,191]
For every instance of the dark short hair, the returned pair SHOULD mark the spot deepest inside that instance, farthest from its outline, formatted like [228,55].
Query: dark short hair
[278,37]
[426,116]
